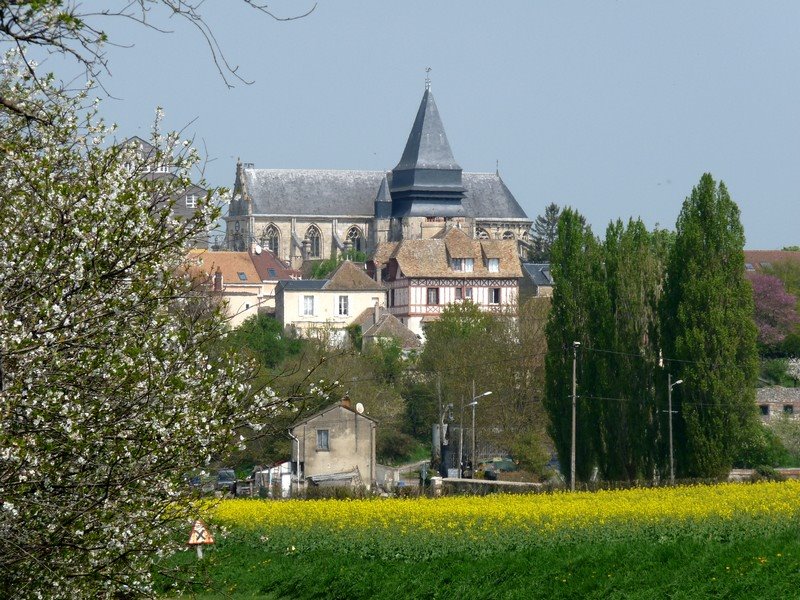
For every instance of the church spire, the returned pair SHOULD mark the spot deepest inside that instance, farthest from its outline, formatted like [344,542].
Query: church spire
[427,180]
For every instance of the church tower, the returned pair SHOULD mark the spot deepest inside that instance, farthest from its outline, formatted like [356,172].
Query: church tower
[426,185]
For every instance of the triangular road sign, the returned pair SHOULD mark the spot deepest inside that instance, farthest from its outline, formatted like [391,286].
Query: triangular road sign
[200,534]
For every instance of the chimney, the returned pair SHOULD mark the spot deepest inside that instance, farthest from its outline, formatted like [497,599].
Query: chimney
[218,280]
[378,273]
[345,401]
[376,313]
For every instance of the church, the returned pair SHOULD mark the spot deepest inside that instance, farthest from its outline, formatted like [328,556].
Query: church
[304,214]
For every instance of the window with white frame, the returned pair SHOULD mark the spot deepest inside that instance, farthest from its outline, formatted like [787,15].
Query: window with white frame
[468,293]
[343,306]
[459,293]
[191,201]
[494,296]
[323,440]
[494,265]
[308,306]
[433,296]
[463,264]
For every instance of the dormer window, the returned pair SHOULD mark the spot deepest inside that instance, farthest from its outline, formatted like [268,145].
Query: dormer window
[465,265]
[494,265]
[191,201]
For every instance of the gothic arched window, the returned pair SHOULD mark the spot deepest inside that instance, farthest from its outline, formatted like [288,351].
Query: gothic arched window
[508,235]
[314,236]
[271,239]
[481,233]
[356,239]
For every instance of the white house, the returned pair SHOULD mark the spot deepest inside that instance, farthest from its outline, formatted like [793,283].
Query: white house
[324,308]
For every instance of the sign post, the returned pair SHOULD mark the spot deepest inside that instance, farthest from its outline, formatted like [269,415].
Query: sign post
[199,537]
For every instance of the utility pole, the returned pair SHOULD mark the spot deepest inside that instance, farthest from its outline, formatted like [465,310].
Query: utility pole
[574,415]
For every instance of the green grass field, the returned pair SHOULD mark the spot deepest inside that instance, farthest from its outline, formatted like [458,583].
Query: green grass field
[726,541]
[756,568]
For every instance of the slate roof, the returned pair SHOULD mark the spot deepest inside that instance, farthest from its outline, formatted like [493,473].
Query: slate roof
[296,192]
[539,273]
[303,285]
[487,197]
[429,258]
[427,146]
[348,277]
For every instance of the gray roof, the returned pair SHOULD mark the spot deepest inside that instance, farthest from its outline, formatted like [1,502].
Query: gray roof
[312,192]
[325,192]
[303,285]
[427,146]
[539,273]
[487,197]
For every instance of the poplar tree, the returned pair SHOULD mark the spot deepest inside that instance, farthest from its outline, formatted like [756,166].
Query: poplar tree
[708,333]
[568,322]
[633,268]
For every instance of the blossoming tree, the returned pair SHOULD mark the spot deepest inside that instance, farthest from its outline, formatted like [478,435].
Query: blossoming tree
[110,388]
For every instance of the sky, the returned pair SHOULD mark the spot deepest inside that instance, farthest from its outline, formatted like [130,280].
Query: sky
[615,108]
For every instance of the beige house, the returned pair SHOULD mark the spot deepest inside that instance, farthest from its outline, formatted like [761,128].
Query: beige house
[324,308]
[244,281]
[423,277]
[335,446]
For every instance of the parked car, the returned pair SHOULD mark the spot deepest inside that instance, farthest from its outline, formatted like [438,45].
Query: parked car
[226,481]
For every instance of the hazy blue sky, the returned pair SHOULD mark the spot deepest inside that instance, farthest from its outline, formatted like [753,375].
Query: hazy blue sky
[615,108]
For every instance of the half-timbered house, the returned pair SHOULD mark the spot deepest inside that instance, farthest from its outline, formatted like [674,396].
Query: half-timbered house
[423,277]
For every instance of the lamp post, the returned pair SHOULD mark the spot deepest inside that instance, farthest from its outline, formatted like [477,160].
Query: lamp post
[575,346]
[474,404]
[443,441]
[671,385]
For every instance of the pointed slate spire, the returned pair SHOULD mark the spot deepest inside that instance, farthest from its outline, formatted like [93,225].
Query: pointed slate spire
[427,180]
[383,201]
[427,146]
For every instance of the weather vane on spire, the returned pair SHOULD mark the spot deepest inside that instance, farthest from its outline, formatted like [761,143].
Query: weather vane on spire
[428,78]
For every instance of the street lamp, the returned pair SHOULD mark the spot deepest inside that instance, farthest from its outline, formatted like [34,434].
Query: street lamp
[443,442]
[671,385]
[473,404]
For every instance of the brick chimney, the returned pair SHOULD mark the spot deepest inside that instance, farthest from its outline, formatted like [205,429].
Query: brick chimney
[345,402]
[218,280]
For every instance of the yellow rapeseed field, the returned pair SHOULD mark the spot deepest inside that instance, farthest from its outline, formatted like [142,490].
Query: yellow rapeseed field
[498,522]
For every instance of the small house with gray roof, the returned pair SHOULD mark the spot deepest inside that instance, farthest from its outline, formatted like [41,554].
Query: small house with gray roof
[306,214]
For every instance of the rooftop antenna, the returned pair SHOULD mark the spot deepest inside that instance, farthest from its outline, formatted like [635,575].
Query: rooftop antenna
[428,78]
[497,167]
